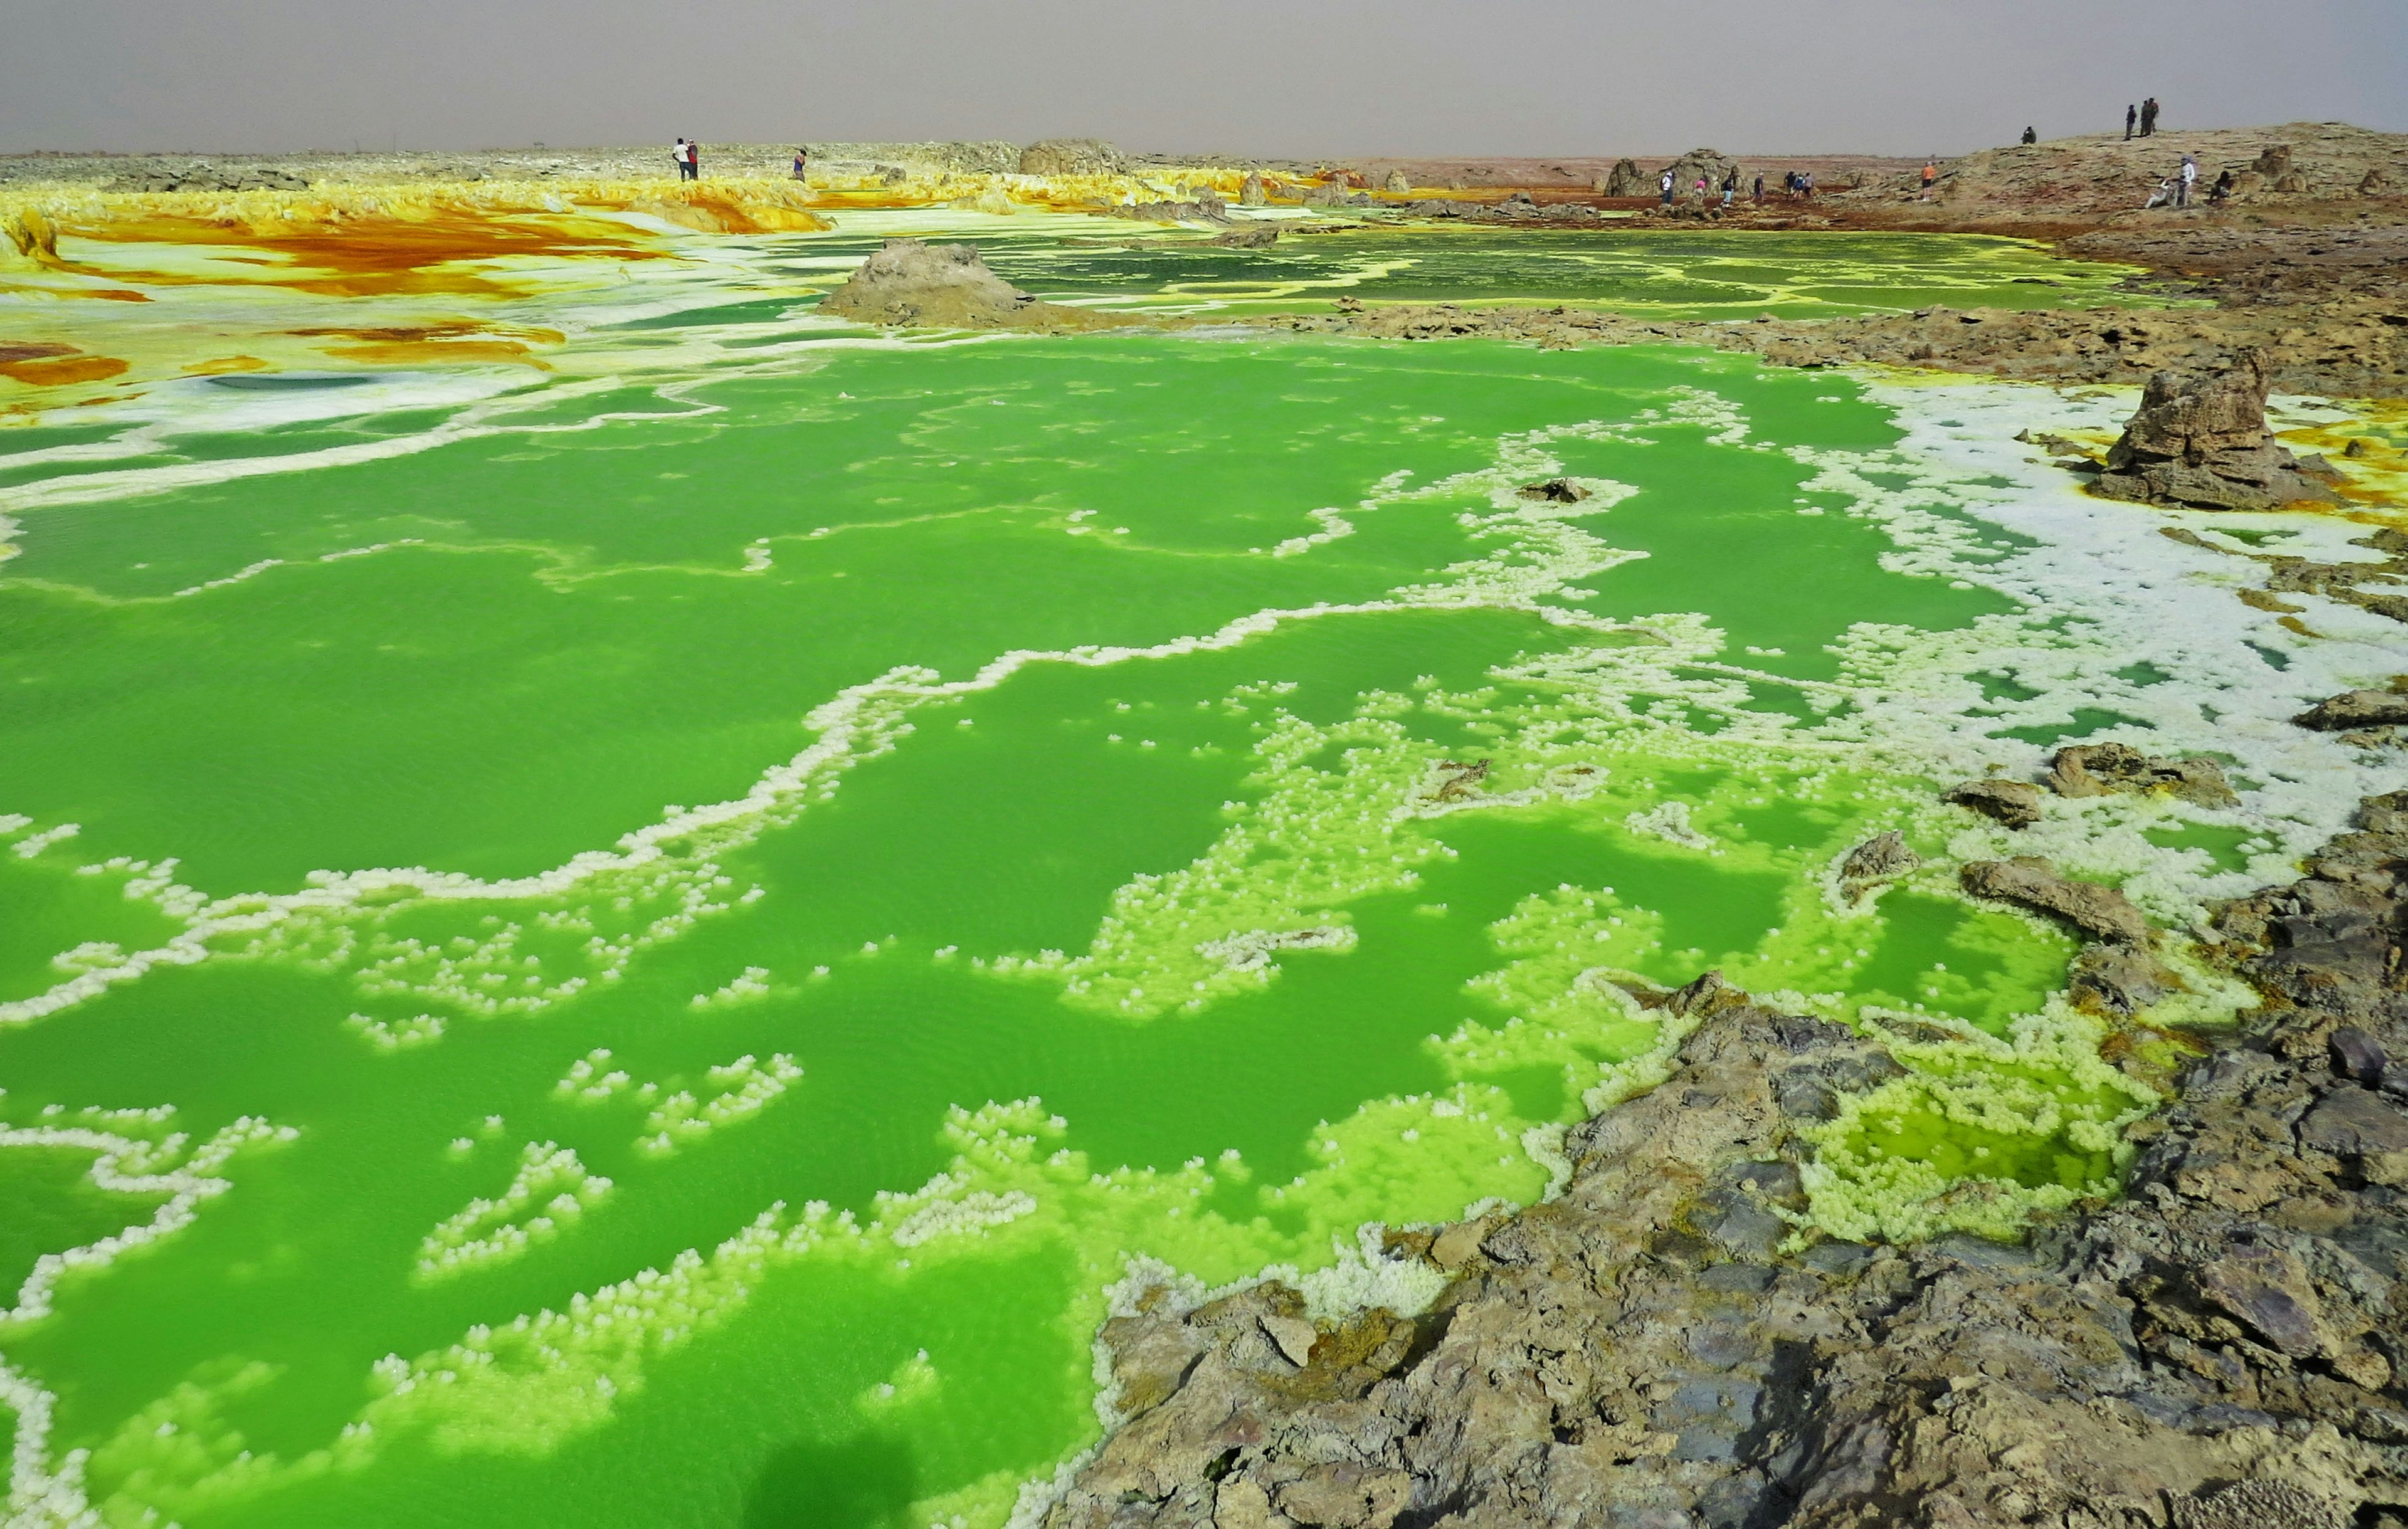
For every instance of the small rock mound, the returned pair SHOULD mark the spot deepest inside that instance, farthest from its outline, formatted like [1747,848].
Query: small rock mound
[2015,803]
[2203,443]
[1879,858]
[947,286]
[1555,490]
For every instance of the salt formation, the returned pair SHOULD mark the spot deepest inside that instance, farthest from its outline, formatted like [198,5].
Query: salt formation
[552,1189]
[2203,443]
[745,1087]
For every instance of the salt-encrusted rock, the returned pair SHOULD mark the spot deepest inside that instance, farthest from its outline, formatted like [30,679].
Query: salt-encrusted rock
[2028,881]
[2105,769]
[1879,858]
[1396,185]
[2204,442]
[1071,156]
[1555,490]
[1249,192]
[2357,709]
[2015,803]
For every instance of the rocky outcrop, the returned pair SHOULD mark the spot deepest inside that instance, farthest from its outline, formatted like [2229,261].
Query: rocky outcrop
[1250,190]
[1626,180]
[2114,769]
[202,176]
[2028,882]
[992,156]
[2203,443]
[1656,1347]
[1882,857]
[1071,156]
[2015,803]
[1397,184]
[947,286]
[1710,165]
[2356,709]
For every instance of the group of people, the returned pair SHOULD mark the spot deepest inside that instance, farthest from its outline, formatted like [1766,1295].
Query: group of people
[2143,116]
[688,155]
[2176,190]
[1798,183]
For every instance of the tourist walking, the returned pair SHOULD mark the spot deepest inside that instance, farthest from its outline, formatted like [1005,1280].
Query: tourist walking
[2132,115]
[1730,186]
[2149,117]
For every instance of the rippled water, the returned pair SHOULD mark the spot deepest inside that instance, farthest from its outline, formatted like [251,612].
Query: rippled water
[641,949]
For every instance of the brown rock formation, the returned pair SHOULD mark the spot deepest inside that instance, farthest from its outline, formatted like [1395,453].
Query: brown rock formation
[2204,443]
[2107,769]
[2015,803]
[2026,882]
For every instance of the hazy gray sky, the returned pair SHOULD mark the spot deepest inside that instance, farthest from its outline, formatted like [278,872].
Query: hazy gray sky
[1303,78]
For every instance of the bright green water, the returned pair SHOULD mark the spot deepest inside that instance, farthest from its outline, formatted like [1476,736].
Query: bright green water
[900,833]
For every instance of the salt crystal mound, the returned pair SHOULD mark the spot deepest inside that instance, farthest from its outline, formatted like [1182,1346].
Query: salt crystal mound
[1582,733]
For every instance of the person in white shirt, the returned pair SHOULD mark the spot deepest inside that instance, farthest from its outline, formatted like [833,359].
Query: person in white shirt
[2189,175]
[676,156]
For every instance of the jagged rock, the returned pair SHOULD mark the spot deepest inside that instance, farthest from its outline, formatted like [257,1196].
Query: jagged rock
[1713,166]
[2015,803]
[1071,156]
[2357,709]
[2105,769]
[1879,859]
[2203,443]
[947,286]
[1626,179]
[2259,1505]
[1250,192]
[1396,185]
[2028,881]
[1555,490]
[2119,979]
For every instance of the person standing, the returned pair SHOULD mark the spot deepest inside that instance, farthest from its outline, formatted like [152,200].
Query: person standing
[1730,186]
[1667,184]
[1930,174]
[676,157]
[2149,117]
[803,162]
[2030,135]
[693,159]
[2131,115]
[2189,177]
[1760,185]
